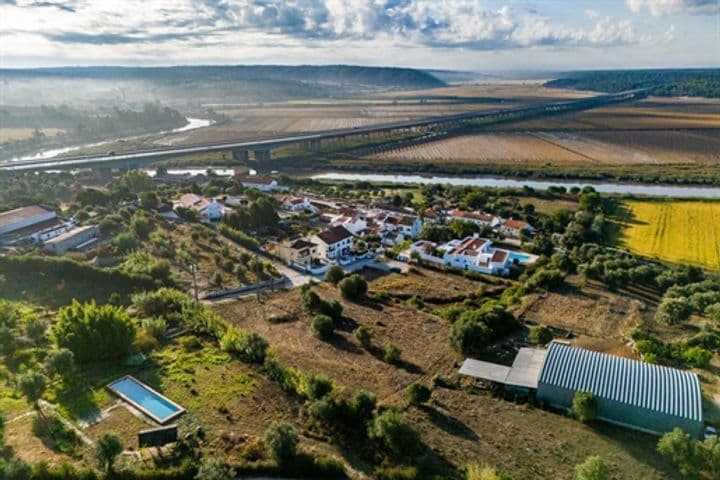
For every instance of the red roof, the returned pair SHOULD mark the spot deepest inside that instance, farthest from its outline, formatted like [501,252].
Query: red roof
[481,216]
[334,235]
[499,256]
[516,224]
[471,246]
[195,202]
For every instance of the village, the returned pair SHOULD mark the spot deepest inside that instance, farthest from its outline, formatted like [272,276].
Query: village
[352,234]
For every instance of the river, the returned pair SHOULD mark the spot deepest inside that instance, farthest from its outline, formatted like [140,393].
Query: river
[677,191]
[192,124]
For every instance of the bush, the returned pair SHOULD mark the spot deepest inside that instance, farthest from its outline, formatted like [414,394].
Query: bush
[60,361]
[392,354]
[362,406]
[323,326]
[469,336]
[393,431]
[547,279]
[697,356]
[363,336]
[324,411]
[107,449]
[334,274]
[126,242]
[141,226]
[190,342]
[397,473]
[214,469]
[94,332]
[593,468]
[584,406]
[250,347]
[673,310]
[319,386]
[540,335]
[353,287]
[418,394]
[282,441]
[475,472]
[157,327]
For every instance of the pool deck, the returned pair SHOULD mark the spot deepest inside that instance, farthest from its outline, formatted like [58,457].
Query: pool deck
[161,421]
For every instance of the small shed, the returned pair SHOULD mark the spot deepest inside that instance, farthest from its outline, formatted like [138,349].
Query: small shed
[634,394]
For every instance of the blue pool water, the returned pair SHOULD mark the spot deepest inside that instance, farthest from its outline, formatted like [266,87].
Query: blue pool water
[521,257]
[150,402]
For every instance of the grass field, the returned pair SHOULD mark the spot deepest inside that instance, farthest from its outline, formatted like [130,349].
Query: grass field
[677,231]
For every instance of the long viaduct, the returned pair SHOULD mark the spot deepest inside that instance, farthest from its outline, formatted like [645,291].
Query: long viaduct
[261,149]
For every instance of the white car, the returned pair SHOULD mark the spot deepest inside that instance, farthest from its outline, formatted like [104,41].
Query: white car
[710,432]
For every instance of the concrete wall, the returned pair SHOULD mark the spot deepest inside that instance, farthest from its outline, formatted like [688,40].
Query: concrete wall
[622,414]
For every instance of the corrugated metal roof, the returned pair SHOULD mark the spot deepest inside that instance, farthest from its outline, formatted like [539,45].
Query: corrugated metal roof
[654,387]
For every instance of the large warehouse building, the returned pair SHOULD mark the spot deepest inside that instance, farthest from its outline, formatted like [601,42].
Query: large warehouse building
[23,217]
[630,393]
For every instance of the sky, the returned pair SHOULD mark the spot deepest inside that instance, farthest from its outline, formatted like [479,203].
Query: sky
[469,35]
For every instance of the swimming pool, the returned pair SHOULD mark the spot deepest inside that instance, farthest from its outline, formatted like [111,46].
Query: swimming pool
[520,257]
[151,403]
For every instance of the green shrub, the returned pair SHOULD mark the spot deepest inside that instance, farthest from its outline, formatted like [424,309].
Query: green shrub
[584,406]
[593,468]
[394,432]
[673,310]
[282,441]
[363,336]
[397,473]
[239,237]
[697,356]
[323,410]
[469,336]
[319,386]
[540,335]
[157,327]
[323,326]
[190,342]
[392,354]
[94,332]
[250,347]
[418,394]
[353,287]
[59,361]
[334,274]
[126,242]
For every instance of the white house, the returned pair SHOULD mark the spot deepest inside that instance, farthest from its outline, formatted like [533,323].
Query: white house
[514,228]
[264,184]
[75,238]
[298,251]
[208,210]
[479,218]
[410,226]
[297,204]
[333,243]
[477,254]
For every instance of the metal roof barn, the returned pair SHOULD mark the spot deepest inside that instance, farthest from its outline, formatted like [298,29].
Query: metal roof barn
[634,394]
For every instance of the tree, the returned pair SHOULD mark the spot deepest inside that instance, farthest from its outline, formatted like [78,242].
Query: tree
[394,432]
[214,469]
[319,386]
[32,384]
[698,356]
[17,469]
[692,458]
[94,332]
[334,274]
[126,241]
[35,329]
[137,181]
[363,336]
[59,362]
[469,336]
[673,310]
[107,448]
[392,354]
[593,468]
[584,406]
[323,326]
[353,287]
[540,335]
[476,472]
[148,199]
[282,440]
[418,394]
[141,226]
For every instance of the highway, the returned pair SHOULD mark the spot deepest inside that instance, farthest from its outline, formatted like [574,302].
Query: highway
[136,159]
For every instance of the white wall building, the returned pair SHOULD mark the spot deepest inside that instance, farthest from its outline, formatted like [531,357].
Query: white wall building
[208,210]
[333,243]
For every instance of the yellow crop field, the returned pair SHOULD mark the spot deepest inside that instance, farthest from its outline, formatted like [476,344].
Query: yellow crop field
[675,231]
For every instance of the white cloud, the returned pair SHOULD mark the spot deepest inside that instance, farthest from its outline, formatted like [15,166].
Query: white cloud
[177,28]
[665,7]
[670,33]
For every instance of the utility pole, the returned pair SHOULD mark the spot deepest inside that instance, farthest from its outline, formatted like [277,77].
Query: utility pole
[193,271]
[257,274]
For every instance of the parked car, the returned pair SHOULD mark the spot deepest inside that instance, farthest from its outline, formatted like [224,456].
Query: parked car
[710,432]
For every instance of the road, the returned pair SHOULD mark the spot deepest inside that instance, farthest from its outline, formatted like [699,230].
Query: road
[140,158]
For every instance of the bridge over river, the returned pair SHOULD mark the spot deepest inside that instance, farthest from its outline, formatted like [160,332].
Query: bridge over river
[261,149]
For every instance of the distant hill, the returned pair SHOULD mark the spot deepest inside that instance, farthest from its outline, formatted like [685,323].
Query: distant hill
[243,83]
[703,82]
